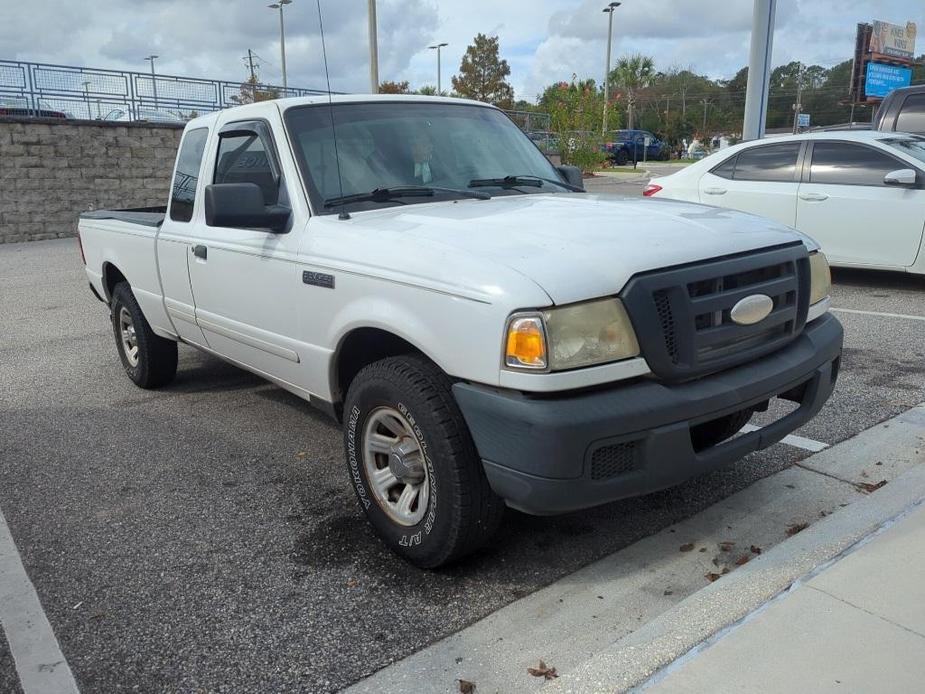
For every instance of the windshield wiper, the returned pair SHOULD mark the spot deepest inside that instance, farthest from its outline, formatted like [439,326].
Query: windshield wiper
[515,181]
[385,194]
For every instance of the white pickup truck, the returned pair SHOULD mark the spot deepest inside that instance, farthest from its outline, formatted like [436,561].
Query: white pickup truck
[488,333]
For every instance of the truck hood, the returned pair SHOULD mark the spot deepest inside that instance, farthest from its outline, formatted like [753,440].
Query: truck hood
[580,246]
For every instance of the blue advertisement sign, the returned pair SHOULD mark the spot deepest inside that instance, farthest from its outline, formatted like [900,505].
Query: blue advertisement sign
[883,78]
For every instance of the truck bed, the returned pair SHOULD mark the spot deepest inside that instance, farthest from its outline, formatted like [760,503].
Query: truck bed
[145,216]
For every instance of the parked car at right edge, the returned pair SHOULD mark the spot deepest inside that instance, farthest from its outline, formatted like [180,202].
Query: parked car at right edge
[860,194]
[903,110]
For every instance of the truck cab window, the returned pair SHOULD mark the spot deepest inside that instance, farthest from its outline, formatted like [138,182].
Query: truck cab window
[186,177]
[244,159]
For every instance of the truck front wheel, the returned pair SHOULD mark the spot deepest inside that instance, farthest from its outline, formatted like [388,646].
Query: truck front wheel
[148,359]
[413,464]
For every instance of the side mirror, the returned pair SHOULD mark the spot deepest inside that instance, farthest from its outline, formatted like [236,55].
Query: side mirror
[572,175]
[242,205]
[900,177]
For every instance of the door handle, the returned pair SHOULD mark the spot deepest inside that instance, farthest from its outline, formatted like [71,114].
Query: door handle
[200,251]
[714,191]
[813,197]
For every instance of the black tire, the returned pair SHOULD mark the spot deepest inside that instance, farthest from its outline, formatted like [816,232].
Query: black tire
[462,512]
[155,362]
[621,157]
[709,434]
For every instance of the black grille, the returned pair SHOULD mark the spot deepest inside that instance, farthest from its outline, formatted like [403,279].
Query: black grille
[682,315]
[615,459]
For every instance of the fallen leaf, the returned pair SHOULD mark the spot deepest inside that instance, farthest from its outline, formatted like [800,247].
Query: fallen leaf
[687,547]
[726,546]
[712,576]
[725,570]
[755,549]
[744,559]
[466,687]
[301,455]
[868,487]
[668,591]
[823,513]
[879,462]
[715,561]
[702,549]
[352,583]
[790,486]
[543,671]
[795,528]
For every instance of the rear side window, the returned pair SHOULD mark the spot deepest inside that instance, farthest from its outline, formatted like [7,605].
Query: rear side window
[726,169]
[848,164]
[245,159]
[186,177]
[768,163]
[911,118]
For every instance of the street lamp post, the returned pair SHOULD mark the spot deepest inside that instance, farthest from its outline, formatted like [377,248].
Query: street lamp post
[609,11]
[282,37]
[373,49]
[151,59]
[438,46]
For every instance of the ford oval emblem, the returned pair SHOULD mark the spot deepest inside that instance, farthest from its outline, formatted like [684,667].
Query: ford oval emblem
[752,309]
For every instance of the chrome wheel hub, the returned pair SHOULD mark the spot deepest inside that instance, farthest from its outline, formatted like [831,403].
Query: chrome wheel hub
[129,338]
[395,466]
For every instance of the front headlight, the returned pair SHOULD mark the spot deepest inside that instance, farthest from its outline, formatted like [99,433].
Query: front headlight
[570,337]
[820,277]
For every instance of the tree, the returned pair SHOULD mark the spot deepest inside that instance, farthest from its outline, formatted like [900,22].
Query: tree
[482,74]
[252,91]
[632,74]
[389,87]
[427,90]
[575,109]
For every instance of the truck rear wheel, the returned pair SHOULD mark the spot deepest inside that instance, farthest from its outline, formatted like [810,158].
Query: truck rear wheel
[413,464]
[148,359]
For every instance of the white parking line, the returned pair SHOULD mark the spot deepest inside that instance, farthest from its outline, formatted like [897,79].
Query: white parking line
[39,661]
[794,440]
[880,314]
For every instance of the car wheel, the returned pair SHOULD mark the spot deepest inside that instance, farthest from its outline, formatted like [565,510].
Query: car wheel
[620,158]
[710,433]
[413,464]
[148,359]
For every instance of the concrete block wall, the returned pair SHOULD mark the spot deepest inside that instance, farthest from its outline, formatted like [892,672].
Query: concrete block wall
[51,170]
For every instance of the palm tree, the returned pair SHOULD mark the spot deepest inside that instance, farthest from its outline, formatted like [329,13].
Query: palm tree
[631,74]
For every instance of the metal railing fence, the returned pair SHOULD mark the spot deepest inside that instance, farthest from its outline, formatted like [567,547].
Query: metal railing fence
[39,89]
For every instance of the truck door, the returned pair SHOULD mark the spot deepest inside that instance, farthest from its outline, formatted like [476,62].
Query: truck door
[173,239]
[246,281]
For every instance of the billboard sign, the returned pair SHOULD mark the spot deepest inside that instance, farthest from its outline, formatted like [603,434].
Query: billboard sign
[893,40]
[882,79]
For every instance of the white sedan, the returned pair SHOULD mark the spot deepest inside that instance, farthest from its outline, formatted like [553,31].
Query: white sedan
[860,194]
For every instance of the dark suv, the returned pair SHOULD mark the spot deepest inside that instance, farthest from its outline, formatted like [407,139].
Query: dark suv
[630,145]
[903,110]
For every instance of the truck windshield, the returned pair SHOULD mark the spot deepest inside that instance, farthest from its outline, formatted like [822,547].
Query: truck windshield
[453,149]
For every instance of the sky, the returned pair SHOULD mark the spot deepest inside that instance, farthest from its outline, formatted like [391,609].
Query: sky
[544,41]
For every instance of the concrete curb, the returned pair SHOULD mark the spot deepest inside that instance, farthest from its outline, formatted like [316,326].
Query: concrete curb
[632,661]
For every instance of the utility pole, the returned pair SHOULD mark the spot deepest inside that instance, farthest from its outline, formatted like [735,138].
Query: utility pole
[798,106]
[706,104]
[250,63]
[438,46]
[278,5]
[759,70]
[609,10]
[151,59]
[373,49]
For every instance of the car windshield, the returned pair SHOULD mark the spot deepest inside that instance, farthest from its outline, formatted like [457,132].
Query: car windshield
[913,145]
[451,149]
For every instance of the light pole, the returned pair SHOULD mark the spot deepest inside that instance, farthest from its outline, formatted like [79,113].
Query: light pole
[609,11]
[438,46]
[373,49]
[282,37]
[151,59]
[759,69]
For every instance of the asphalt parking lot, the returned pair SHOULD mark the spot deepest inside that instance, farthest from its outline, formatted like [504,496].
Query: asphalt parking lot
[205,536]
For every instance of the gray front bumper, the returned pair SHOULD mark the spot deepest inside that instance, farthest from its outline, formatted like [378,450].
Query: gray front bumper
[537,451]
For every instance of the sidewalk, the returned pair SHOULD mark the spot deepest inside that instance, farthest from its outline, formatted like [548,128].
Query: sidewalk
[857,625]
